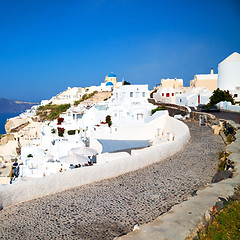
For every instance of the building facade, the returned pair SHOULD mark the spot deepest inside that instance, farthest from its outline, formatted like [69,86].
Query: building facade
[209,81]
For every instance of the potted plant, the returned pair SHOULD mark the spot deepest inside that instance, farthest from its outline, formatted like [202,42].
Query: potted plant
[59,121]
[60,131]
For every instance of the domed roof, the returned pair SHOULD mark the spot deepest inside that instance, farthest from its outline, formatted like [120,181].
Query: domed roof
[235,57]
[109,84]
[111,75]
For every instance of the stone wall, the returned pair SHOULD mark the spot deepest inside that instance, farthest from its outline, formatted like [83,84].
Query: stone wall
[225,190]
[173,109]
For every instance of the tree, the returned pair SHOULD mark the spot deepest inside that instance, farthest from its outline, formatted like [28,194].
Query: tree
[126,83]
[108,120]
[220,95]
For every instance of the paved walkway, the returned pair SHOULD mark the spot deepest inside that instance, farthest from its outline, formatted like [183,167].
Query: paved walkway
[112,207]
[228,115]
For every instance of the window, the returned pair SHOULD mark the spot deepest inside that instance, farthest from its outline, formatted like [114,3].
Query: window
[123,95]
[162,94]
[167,94]
[172,94]
[137,94]
[143,94]
[131,94]
[235,95]
[180,100]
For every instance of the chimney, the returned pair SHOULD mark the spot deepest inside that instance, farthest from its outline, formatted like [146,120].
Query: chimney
[211,71]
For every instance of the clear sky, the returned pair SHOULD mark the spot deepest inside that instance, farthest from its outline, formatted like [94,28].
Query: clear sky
[48,45]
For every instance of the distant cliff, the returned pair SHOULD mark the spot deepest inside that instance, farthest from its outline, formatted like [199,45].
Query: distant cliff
[12,106]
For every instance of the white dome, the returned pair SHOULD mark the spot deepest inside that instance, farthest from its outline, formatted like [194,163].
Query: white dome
[229,72]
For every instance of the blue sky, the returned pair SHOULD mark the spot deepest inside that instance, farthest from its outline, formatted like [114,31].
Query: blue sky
[46,46]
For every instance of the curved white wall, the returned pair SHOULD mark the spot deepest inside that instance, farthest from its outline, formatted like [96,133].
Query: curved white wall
[141,131]
[27,190]
[228,75]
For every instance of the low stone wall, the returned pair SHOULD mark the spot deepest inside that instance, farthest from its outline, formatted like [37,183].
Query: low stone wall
[27,190]
[225,190]
[173,109]
[196,115]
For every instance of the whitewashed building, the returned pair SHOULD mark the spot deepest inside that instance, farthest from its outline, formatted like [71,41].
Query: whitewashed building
[168,94]
[229,75]
[130,93]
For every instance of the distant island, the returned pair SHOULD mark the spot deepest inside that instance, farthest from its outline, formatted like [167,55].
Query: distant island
[13,106]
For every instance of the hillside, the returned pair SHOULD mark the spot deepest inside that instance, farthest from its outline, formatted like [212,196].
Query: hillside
[12,106]
[99,96]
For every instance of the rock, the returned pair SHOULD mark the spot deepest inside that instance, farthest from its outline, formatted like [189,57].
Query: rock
[214,210]
[136,227]
[221,175]
[208,217]
[7,137]
[225,200]
[216,129]
[15,123]
[220,205]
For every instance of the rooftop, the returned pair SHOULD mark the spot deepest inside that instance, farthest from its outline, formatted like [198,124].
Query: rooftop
[112,75]
[235,57]
[206,76]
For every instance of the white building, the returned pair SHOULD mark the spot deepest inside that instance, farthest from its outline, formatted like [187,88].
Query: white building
[168,94]
[130,93]
[131,119]
[194,97]
[190,97]
[229,75]
[129,104]
[69,96]
[229,72]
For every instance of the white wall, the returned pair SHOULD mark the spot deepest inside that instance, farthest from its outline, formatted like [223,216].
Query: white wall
[23,191]
[228,106]
[138,131]
[139,92]
[228,75]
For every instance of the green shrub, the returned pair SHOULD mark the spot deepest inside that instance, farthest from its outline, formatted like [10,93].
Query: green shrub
[71,132]
[108,120]
[51,112]
[220,95]
[226,223]
[84,97]
[126,83]
[159,108]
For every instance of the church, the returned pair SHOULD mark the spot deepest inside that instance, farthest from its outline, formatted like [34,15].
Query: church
[111,81]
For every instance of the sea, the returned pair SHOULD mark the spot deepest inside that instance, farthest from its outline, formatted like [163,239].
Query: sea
[3,119]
